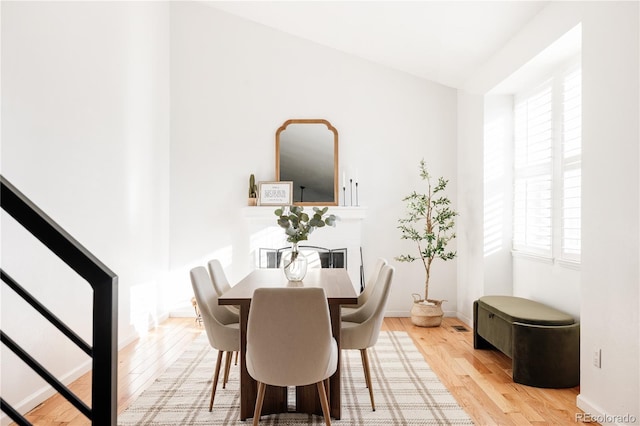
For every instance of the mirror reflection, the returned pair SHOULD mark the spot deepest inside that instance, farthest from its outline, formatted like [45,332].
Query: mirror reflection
[307,155]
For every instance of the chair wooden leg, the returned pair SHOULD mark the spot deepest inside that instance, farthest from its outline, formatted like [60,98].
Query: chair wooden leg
[324,401]
[367,375]
[364,362]
[259,400]
[227,367]
[237,352]
[327,388]
[216,375]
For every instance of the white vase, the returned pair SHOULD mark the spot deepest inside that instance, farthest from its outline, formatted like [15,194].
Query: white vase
[294,264]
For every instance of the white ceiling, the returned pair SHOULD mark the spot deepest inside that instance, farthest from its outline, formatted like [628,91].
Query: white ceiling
[442,41]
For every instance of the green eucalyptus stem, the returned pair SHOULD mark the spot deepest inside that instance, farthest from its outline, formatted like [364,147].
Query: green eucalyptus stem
[298,225]
[294,255]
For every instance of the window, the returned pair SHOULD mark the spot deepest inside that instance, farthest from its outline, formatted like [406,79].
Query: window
[547,168]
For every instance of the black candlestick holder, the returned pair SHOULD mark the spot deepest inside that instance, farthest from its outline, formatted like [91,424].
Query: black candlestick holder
[351,191]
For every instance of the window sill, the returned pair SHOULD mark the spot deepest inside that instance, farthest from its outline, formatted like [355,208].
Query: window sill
[563,263]
[532,256]
[569,264]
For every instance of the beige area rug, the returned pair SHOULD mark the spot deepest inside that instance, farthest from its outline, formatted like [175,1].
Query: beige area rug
[406,390]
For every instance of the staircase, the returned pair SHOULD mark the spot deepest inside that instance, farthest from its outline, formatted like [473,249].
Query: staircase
[103,350]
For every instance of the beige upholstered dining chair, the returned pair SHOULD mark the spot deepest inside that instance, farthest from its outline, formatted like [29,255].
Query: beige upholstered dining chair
[360,329]
[221,284]
[289,341]
[222,331]
[368,289]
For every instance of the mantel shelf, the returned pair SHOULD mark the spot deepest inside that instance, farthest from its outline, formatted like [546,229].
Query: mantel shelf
[343,212]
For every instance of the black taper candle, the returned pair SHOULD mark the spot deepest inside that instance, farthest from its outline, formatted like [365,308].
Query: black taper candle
[351,190]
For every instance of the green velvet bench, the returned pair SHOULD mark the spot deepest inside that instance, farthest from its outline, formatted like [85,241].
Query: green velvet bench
[543,342]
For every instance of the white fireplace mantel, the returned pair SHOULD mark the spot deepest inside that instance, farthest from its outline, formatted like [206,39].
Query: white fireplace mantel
[267,212]
[263,232]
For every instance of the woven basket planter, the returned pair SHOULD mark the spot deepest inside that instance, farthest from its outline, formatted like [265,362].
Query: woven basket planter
[424,315]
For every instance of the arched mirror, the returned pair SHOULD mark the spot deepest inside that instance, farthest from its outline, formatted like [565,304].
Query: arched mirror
[307,155]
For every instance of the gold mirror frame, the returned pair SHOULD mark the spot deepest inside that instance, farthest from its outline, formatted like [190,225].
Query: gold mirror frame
[309,159]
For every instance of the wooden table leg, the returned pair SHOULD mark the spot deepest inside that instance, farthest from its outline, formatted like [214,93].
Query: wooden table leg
[335,396]
[248,386]
[307,400]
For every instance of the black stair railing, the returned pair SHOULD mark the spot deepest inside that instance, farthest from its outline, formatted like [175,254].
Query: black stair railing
[103,351]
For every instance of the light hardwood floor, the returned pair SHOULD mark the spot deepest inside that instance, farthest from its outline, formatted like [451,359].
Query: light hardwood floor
[480,380]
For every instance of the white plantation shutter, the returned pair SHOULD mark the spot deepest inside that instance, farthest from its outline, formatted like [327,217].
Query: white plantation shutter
[571,164]
[533,171]
[548,168]
[571,214]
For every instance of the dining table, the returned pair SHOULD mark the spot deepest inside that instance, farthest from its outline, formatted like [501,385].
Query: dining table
[339,291]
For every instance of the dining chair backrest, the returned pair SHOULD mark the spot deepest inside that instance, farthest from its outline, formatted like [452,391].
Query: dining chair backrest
[219,278]
[371,315]
[214,316]
[221,285]
[360,329]
[371,281]
[223,336]
[289,338]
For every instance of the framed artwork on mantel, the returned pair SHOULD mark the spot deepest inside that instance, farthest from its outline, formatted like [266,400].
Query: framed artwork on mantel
[275,193]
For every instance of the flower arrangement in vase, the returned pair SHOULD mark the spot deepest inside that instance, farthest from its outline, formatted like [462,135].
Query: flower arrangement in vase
[297,226]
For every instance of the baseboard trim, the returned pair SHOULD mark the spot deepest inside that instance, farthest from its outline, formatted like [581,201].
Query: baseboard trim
[46,392]
[407,314]
[586,406]
[593,413]
[182,313]
[465,319]
[397,314]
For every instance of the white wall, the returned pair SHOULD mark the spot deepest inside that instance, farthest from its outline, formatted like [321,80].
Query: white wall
[136,126]
[85,113]
[611,218]
[497,197]
[85,106]
[470,222]
[234,82]
[608,289]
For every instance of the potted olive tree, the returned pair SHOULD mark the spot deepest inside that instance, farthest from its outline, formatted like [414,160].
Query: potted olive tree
[429,223]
